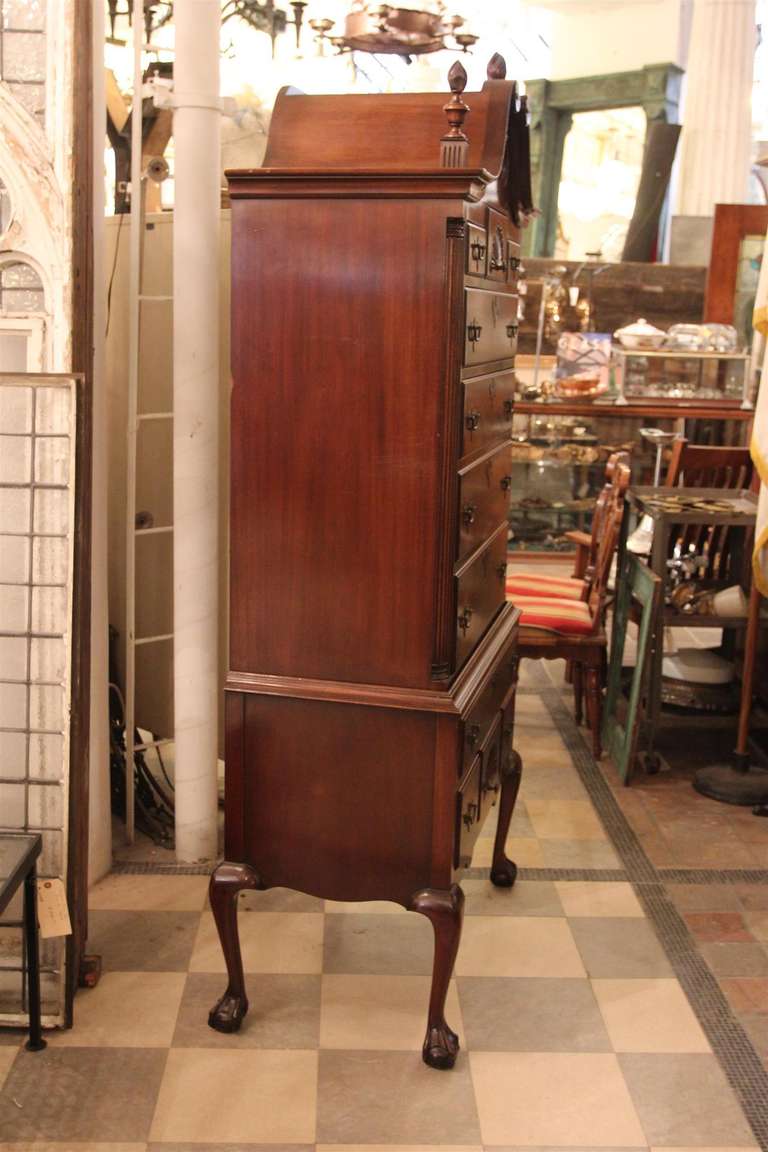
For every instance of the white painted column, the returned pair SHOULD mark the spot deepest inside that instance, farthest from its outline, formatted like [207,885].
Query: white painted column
[99,789]
[195,439]
[716,138]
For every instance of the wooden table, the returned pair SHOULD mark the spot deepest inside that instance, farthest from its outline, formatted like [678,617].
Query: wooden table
[18,865]
[646,501]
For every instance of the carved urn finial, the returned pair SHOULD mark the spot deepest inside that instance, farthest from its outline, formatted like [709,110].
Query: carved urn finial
[454,146]
[497,67]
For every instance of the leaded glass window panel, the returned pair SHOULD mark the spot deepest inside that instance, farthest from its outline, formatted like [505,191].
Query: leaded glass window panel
[22,52]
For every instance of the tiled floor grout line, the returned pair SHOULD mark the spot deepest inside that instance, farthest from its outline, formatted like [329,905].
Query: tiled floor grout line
[593,875]
[742,1066]
[713,875]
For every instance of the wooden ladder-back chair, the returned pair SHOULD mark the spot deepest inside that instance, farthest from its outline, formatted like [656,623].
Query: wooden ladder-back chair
[717,468]
[521,582]
[553,628]
[703,466]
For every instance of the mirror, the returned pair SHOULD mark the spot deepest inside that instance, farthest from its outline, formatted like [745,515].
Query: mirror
[599,178]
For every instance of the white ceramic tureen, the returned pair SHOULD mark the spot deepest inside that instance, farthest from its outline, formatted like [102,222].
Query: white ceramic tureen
[640,335]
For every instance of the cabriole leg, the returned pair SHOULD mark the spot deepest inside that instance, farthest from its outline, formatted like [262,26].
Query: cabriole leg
[503,870]
[446,911]
[226,882]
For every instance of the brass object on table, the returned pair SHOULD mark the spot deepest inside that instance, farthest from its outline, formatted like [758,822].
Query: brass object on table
[688,597]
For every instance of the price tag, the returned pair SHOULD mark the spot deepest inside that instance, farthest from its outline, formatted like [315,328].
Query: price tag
[52,911]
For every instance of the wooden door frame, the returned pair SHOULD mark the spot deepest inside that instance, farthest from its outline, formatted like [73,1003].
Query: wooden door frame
[82,363]
[732,223]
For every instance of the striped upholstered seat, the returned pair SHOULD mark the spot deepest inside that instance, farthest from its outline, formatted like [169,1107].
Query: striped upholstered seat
[571,626]
[555,614]
[532,584]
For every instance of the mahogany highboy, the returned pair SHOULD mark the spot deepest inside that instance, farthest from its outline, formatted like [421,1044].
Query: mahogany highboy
[370,697]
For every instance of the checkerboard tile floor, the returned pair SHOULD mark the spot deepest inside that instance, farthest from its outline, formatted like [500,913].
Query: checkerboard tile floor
[575,1032]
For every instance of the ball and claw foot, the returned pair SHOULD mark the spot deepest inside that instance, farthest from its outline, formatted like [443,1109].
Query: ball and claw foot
[440,1047]
[504,875]
[228,1013]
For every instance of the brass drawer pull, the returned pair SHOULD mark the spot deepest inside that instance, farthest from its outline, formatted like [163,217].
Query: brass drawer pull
[498,264]
[473,735]
[468,515]
[473,333]
[478,251]
[514,263]
[512,331]
[464,619]
[509,408]
[472,421]
[470,815]
[506,483]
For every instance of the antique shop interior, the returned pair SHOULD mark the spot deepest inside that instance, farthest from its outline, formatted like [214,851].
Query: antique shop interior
[383,575]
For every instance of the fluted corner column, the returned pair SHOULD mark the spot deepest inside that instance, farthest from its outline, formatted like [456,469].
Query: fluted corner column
[716,138]
[196,261]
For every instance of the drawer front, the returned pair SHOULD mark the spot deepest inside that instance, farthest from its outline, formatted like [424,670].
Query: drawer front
[477,250]
[467,817]
[480,593]
[490,330]
[489,404]
[498,695]
[483,500]
[477,213]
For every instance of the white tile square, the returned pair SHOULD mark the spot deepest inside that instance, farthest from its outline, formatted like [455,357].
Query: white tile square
[49,610]
[13,706]
[554,1099]
[15,408]
[52,409]
[126,1010]
[51,512]
[649,1016]
[13,755]
[14,608]
[45,806]
[14,559]
[46,708]
[46,756]
[15,504]
[50,560]
[237,1097]
[517,946]
[13,659]
[598,898]
[15,459]
[47,660]
[52,459]
[12,805]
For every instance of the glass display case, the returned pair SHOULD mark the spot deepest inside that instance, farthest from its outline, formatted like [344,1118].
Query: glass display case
[671,375]
[560,449]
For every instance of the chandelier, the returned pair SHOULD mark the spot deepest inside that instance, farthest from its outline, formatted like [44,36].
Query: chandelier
[377,28]
[386,28]
[260,14]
